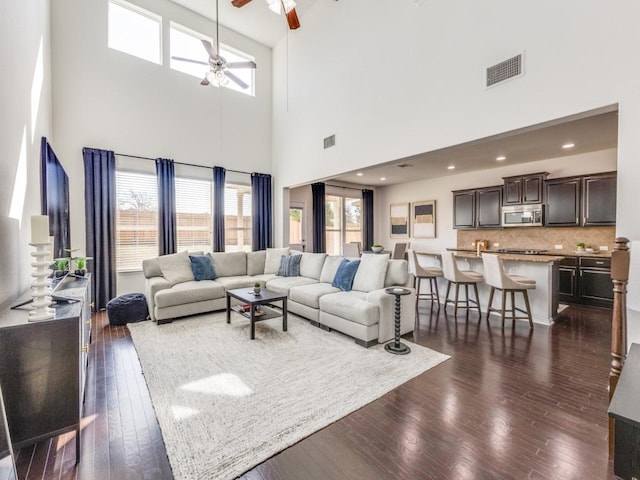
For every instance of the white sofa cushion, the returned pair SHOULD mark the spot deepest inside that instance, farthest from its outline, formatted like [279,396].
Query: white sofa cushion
[237,281]
[176,268]
[397,273]
[371,272]
[189,292]
[255,262]
[272,260]
[283,284]
[351,306]
[329,268]
[309,295]
[151,268]
[311,265]
[229,264]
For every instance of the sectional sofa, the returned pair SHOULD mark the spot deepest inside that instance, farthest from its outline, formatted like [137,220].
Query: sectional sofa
[365,313]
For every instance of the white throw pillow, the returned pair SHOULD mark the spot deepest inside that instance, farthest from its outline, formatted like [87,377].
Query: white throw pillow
[311,265]
[330,267]
[176,268]
[272,260]
[371,272]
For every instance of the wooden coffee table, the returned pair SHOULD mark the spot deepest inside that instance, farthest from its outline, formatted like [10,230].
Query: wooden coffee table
[265,299]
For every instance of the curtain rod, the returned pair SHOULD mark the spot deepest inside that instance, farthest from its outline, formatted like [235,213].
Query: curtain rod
[342,186]
[179,163]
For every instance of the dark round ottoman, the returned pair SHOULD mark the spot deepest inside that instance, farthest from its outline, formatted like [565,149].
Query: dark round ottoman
[127,308]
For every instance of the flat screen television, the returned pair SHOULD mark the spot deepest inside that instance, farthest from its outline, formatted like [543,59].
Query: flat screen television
[55,199]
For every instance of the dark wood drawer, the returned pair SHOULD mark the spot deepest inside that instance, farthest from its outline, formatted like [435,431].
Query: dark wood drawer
[569,261]
[595,262]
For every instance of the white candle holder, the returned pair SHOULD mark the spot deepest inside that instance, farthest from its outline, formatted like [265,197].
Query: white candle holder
[40,287]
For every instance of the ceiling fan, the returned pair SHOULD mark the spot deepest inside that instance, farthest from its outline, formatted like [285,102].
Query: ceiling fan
[278,6]
[218,73]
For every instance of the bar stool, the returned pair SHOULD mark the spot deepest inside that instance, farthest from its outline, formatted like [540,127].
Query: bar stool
[419,272]
[453,274]
[498,279]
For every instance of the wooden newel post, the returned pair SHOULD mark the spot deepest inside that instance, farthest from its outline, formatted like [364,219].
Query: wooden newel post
[620,278]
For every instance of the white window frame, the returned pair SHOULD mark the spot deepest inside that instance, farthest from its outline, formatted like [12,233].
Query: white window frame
[145,13]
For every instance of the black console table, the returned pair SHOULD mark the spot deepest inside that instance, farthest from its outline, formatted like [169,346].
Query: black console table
[625,409]
[43,366]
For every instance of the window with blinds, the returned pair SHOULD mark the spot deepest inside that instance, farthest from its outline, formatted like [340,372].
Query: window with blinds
[237,218]
[136,219]
[343,222]
[193,214]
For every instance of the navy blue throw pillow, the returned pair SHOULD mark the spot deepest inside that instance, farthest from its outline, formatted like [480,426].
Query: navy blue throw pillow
[289,266]
[345,274]
[202,266]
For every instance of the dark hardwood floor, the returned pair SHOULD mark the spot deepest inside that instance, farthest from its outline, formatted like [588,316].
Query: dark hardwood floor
[523,404]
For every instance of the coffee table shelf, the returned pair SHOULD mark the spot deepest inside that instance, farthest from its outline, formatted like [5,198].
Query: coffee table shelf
[268,313]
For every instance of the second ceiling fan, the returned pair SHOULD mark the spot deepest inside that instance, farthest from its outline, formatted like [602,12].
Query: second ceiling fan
[278,6]
[219,73]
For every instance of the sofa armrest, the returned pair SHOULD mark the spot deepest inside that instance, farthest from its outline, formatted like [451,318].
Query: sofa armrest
[386,304]
[152,286]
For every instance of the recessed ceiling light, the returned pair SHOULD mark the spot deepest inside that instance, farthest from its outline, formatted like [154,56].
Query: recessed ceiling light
[500,158]
[451,167]
[359,174]
[568,145]
[383,178]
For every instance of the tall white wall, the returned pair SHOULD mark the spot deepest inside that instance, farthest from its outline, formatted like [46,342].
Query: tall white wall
[107,99]
[393,79]
[25,116]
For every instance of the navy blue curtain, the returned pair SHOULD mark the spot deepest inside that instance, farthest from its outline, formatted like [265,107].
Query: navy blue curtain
[319,219]
[367,219]
[167,236]
[100,212]
[54,199]
[261,219]
[219,178]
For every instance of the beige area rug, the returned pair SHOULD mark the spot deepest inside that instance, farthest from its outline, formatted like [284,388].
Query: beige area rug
[226,403]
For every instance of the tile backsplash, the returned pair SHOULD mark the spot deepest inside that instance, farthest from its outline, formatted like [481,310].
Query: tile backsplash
[542,238]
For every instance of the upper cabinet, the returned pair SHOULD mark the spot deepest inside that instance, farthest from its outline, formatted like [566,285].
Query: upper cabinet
[563,202]
[599,199]
[581,201]
[524,189]
[477,208]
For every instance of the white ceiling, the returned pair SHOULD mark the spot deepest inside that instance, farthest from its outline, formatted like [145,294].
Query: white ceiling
[588,133]
[254,20]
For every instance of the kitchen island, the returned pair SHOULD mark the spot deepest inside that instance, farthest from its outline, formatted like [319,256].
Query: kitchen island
[541,268]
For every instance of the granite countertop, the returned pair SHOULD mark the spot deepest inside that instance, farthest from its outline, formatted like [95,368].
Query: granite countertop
[552,256]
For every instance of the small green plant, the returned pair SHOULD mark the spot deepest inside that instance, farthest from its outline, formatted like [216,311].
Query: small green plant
[580,245]
[256,285]
[62,264]
[81,263]
[377,245]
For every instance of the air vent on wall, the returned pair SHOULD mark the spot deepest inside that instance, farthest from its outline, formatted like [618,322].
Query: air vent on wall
[504,70]
[329,141]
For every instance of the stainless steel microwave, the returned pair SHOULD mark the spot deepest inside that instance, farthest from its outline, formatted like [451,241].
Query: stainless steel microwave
[522,216]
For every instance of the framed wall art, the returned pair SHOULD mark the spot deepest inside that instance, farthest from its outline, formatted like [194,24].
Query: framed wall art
[423,219]
[399,220]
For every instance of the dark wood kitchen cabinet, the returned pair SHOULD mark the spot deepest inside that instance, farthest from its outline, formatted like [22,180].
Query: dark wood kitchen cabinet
[43,365]
[583,201]
[477,208]
[599,199]
[563,202]
[524,189]
[464,209]
[586,280]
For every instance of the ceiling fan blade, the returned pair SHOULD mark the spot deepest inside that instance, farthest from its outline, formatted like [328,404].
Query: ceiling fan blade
[210,50]
[292,19]
[204,82]
[241,64]
[239,3]
[231,76]
[190,60]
